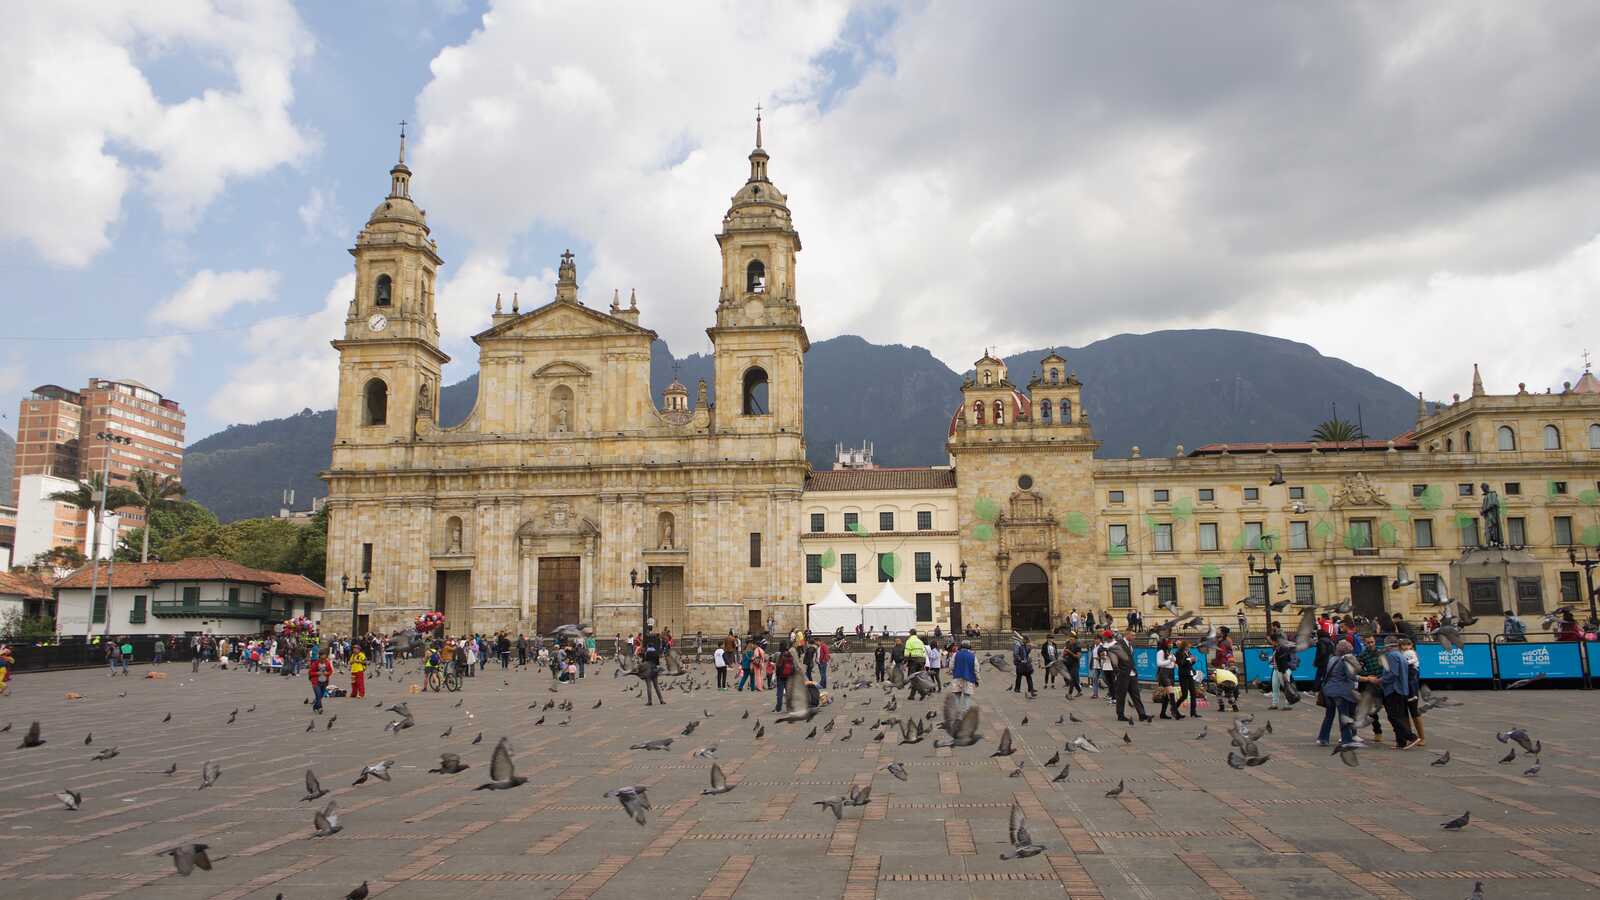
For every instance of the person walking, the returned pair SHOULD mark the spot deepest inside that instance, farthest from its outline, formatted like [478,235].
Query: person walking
[786,669]
[1048,653]
[1072,657]
[1022,665]
[1408,650]
[879,655]
[1395,682]
[320,672]
[824,657]
[1126,680]
[916,653]
[746,670]
[719,659]
[964,674]
[1166,680]
[358,672]
[1371,676]
[126,649]
[935,660]
[1186,682]
[650,669]
[1283,663]
[160,651]
[1339,680]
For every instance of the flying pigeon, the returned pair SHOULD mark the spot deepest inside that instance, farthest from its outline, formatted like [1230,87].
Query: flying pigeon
[314,788]
[209,773]
[185,857]
[719,781]
[70,798]
[449,764]
[634,800]
[502,771]
[376,770]
[326,820]
[31,738]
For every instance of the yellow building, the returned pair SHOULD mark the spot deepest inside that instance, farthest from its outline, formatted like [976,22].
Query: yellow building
[567,482]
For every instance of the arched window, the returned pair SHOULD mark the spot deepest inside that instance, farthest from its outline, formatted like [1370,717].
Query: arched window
[452,534]
[1055,376]
[755,277]
[1506,437]
[988,377]
[1552,437]
[755,391]
[1044,411]
[977,412]
[383,291]
[561,410]
[1594,436]
[999,413]
[1466,441]
[376,409]
[1066,411]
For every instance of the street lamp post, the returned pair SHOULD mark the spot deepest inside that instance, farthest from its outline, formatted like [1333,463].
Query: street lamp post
[1265,572]
[950,582]
[1588,565]
[648,585]
[355,591]
[99,522]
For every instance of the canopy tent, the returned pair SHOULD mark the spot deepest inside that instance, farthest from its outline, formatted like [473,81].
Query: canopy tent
[833,612]
[889,613]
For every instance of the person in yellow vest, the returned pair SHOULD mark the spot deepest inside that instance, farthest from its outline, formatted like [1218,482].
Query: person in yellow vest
[358,671]
[916,653]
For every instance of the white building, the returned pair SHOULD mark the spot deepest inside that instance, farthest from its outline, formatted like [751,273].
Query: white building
[192,596]
[43,523]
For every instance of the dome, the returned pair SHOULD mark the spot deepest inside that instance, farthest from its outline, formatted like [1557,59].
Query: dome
[676,387]
[1021,411]
[397,209]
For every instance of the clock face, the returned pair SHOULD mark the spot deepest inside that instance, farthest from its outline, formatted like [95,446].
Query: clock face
[378,322]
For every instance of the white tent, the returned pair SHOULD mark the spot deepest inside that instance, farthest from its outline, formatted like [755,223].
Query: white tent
[889,613]
[833,612]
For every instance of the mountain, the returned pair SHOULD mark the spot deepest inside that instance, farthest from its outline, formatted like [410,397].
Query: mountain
[1153,391]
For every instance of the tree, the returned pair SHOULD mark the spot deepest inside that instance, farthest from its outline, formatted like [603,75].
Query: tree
[205,539]
[267,544]
[311,551]
[13,624]
[164,523]
[86,496]
[1338,430]
[152,492]
[59,558]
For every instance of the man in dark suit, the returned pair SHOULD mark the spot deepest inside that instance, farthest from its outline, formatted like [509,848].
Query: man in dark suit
[1125,681]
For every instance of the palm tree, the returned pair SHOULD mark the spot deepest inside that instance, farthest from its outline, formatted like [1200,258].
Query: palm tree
[1338,431]
[86,496]
[152,492]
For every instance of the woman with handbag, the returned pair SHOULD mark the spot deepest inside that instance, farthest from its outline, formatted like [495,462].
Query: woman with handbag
[1166,677]
[1186,678]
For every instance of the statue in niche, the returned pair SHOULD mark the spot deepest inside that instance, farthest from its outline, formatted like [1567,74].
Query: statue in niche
[1493,536]
[424,400]
[453,538]
[560,416]
[666,531]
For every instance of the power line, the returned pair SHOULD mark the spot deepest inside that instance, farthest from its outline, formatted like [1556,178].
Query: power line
[152,337]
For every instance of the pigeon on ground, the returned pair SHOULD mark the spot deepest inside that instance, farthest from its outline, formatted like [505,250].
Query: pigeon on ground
[719,781]
[326,820]
[6,728]
[88,739]
[689,728]
[1534,769]
[1458,822]
[746,714]
[233,715]
[447,732]
[478,739]
[209,773]
[657,744]
[898,770]
[70,798]
[377,770]
[502,771]
[1117,791]
[314,788]
[449,764]
[186,857]
[634,799]
[171,770]
[1126,739]
[31,738]
[1510,755]
[1202,735]
[1443,760]
[761,732]
[105,754]
[311,725]
[167,718]
[706,752]
[1062,775]
[359,893]
[332,719]
[1053,759]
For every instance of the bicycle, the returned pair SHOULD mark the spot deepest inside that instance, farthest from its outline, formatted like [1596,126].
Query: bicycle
[433,680]
[452,680]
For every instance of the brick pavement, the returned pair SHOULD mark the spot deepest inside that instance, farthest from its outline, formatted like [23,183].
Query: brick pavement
[1186,827]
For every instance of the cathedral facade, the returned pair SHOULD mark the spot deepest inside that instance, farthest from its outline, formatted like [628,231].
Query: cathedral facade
[568,485]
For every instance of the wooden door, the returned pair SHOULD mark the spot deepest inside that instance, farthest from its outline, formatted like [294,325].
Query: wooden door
[667,601]
[755,621]
[1366,599]
[457,602]
[558,592]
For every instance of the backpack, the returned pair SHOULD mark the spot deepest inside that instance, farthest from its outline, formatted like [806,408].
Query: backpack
[786,666]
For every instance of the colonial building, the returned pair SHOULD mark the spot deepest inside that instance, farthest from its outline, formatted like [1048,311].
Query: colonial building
[191,596]
[567,482]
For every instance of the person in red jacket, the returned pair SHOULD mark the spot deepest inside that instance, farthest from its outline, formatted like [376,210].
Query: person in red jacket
[824,656]
[321,674]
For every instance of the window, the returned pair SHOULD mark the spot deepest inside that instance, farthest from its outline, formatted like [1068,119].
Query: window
[1118,536]
[233,596]
[136,615]
[1297,493]
[999,413]
[885,567]
[1594,436]
[1361,535]
[1506,438]
[1428,584]
[1464,489]
[1417,490]
[375,410]
[383,291]
[1258,587]
[1252,535]
[852,521]
[1208,536]
[1121,593]
[977,408]
[1114,497]
[1469,533]
[1299,535]
[924,607]
[1161,495]
[1305,590]
[1530,596]
[847,568]
[1449,444]
[755,391]
[755,277]
[1466,441]
[1163,537]
[924,520]
[1211,590]
[1208,495]
[191,596]
[1251,495]
[1483,596]
[1044,411]
[819,522]
[1167,591]
[755,549]
[366,566]
[1563,531]
[1571,592]
[99,614]
[1066,411]
[1055,376]
[886,521]
[923,563]
[1513,488]
[813,568]
[1421,533]
[1558,487]
[1552,441]
[1517,531]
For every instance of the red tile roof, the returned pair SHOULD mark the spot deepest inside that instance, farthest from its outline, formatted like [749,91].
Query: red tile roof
[27,586]
[1401,442]
[917,479]
[132,575]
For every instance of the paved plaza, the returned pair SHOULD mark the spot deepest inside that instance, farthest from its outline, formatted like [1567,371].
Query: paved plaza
[1187,826]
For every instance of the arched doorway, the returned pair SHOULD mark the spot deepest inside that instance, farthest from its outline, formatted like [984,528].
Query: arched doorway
[1030,598]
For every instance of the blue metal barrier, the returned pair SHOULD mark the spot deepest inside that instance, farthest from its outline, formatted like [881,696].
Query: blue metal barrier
[1144,663]
[1533,658]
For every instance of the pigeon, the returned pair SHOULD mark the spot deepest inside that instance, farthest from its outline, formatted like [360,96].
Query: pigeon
[359,893]
[1459,822]
[812,734]
[88,739]
[251,709]
[1022,844]
[1202,735]
[447,732]
[171,770]
[540,721]
[657,744]
[1524,682]
[1510,755]
[502,771]
[1073,718]
[31,738]
[689,728]
[70,798]
[478,739]
[8,727]
[961,726]
[185,857]
[1062,775]
[761,732]
[209,773]
[400,709]
[634,800]
[1053,759]
[1117,791]
[706,752]
[326,820]
[746,714]
[1346,754]
[378,770]
[1005,748]
[719,781]
[1126,739]
[834,804]
[1014,773]
[1443,760]
[233,715]
[314,788]
[1082,742]
[449,764]
[898,770]
[1534,769]
[1522,739]
[311,725]
[105,754]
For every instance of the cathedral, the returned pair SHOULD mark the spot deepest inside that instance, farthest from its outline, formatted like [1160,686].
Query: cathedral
[568,486]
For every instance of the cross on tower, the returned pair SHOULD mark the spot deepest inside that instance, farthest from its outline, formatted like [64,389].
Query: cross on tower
[1586,360]
[758,126]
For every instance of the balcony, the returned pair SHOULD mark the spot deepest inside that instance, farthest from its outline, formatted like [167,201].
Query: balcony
[216,609]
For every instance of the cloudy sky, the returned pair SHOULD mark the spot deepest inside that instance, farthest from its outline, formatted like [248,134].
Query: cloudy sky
[1410,187]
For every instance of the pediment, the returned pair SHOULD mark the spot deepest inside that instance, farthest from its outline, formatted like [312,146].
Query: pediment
[562,367]
[561,320]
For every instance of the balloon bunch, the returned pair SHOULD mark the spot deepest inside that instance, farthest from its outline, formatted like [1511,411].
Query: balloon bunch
[299,625]
[430,621]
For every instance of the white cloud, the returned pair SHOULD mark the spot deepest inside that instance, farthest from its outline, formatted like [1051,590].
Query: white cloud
[289,366]
[207,295]
[154,361]
[317,212]
[82,122]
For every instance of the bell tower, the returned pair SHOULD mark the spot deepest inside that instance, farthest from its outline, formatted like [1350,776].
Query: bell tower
[389,357]
[759,338]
